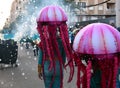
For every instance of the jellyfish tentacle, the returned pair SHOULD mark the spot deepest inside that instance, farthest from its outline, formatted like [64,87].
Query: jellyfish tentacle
[88,68]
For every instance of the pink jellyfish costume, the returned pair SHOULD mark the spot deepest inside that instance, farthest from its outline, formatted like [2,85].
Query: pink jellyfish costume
[99,45]
[52,21]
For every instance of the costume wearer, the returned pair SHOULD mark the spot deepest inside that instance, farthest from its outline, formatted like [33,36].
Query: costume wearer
[98,44]
[52,20]
[49,74]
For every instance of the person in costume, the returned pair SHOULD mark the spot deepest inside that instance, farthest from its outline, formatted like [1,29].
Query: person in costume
[54,48]
[98,44]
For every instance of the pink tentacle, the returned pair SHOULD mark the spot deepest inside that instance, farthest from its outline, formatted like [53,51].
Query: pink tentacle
[78,77]
[88,73]
[110,78]
[60,62]
[68,51]
[48,46]
[103,77]
[84,80]
[115,71]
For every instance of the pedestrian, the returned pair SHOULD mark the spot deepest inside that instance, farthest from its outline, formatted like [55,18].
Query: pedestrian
[54,48]
[35,50]
[27,45]
[74,32]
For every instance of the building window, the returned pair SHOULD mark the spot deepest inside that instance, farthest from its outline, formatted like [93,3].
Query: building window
[17,8]
[110,5]
[91,8]
[82,4]
[94,18]
[79,4]
[19,2]
[100,8]
[84,18]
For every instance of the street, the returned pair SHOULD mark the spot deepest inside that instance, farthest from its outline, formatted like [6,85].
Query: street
[25,75]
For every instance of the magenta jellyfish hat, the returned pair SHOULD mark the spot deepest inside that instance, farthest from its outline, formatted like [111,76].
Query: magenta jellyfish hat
[97,38]
[52,14]
[99,45]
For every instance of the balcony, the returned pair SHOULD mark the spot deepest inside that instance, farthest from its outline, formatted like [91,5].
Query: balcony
[111,1]
[110,12]
[69,0]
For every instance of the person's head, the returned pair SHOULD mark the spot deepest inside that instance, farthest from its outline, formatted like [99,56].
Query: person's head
[112,24]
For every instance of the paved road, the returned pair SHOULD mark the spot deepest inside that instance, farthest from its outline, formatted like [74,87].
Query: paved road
[25,75]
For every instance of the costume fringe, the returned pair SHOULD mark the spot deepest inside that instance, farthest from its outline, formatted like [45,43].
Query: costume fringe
[49,44]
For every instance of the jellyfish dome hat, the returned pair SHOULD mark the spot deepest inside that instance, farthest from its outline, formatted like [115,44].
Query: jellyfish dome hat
[99,45]
[51,21]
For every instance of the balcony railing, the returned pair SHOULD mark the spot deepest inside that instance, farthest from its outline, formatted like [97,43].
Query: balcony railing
[111,1]
[110,12]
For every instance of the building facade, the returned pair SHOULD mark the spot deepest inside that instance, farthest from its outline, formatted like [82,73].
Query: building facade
[93,9]
[16,9]
[84,10]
